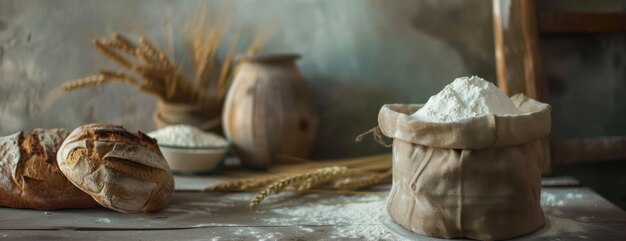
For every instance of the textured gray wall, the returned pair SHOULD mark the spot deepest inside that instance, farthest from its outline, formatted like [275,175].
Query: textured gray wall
[586,75]
[357,55]
[586,79]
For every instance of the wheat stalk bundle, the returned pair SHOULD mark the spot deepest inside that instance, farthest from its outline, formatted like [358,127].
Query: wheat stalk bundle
[150,70]
[336,176]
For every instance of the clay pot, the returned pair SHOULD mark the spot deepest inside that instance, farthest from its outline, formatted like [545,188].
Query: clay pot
[203,116]
[268,110]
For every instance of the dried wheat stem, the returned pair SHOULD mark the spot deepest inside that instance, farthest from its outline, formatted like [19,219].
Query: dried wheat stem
[335,191]
[149,47]
[260,182]
[152,51]
[112,74]
[145,59]
[111,44]
[258,41]
[158,75]
[363,181]
[152,79]
[178,81]
[162,69]
[243,184]
[153,76]
[246,184]
[152,90]
[124,42]
[206,46]
[311,183]
[104,76]
[204,66]
[112,55]
[226,186]
[318,181]
[226,65]
[84,82]
[284,182]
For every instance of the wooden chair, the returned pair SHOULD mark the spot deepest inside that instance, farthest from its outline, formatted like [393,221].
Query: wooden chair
[517,28]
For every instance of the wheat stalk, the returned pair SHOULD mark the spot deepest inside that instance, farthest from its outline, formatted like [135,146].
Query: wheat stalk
[362,182]
[282,183]
[84,82]
[244,184]
[151,50]
[104,76]
[226,66]
[112,74]
[124,43]
[307,176]
[112,55]
[313,182]
[150,70]
[318,181]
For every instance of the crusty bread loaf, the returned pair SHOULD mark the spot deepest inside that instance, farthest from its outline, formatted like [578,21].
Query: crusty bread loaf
[122,171]
[30,177]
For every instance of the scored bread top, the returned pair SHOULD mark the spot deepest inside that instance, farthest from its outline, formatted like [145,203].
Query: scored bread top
[10,155]
[30,177]
[123,171]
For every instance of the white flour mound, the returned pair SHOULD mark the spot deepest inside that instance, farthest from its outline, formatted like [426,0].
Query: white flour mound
[187,136]
[464,98]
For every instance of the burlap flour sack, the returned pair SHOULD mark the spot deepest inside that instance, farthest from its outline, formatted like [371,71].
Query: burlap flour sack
[478,178]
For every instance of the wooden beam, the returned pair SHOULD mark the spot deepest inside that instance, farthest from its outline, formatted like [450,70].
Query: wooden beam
[575,22]
[516,42]
[588,150]
[517,53]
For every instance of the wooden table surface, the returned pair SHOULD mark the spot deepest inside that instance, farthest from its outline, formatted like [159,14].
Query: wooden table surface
[573,213]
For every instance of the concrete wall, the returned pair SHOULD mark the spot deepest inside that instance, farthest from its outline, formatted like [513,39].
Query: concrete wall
[357,56]
[586,75]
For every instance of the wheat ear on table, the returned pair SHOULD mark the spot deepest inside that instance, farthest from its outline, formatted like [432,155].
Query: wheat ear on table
[282,183]
[363,181]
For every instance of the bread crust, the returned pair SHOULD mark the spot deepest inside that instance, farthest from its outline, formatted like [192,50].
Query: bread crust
[121,170]
[30,177]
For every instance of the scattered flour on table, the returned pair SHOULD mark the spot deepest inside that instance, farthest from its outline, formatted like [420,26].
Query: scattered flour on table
[194,208]
[464,98]
[563,228]
[561,199]
[187,136]
[351,217]
[257,234]
[103,220]
[556,224]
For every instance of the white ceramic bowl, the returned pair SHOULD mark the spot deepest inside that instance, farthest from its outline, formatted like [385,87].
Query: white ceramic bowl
[194,160]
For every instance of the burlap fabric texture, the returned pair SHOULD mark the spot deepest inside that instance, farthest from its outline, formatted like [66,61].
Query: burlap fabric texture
[478,178]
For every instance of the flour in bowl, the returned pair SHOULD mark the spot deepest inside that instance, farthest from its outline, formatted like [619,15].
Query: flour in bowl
[464,98]
[187,136]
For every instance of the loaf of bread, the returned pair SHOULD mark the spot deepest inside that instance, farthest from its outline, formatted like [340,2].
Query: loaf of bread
[121,170]
[30,177]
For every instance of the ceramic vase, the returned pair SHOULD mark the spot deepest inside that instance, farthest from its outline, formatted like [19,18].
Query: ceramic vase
[268,110]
